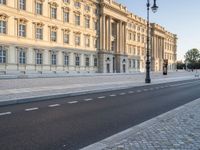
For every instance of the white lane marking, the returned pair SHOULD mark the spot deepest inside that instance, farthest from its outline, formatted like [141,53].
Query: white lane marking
[88,99]
[138,91]
[5,113]
[101,97]
[31,109]
[112,95]
[145,90]
[130,92]
[54,105]
[72,102]
[157,88]
[122,93]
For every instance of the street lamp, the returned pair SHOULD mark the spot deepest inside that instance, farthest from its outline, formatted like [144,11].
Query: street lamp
[154,9]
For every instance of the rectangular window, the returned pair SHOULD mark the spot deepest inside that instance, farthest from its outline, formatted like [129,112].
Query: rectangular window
[95,62]
[38,8]
[53,36]
[3,26]
[87,61]
[3,2]
[134,63]
[39,59]
[77,63]
[66,1]
[39,33]
[87,8]
[22,30]
[53,12]
[77,4]
[77,40]
[22,4]
[53,59]
[22,56]
[130,64]
[2,55]
[66,16]
[87,22]
[138,64]
[66,60]
[87,41]
[66,38]
[77,20]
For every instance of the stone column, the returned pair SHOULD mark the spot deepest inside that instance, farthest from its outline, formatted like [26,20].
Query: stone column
[125,33]
[109,33]
[104,32]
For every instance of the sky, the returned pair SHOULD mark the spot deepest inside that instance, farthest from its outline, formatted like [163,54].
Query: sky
[181,17]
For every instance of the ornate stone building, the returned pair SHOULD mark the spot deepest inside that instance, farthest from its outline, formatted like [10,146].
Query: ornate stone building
[78,36]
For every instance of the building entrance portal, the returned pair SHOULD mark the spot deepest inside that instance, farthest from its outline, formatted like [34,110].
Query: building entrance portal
[108,68]
[124,68]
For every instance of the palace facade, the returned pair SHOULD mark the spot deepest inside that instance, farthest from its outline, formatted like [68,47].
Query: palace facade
[78,36]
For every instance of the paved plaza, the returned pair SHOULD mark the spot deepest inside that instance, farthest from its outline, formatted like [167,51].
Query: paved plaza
[15,90]
[178,129]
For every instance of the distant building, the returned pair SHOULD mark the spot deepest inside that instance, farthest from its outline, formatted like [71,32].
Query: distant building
[78,36]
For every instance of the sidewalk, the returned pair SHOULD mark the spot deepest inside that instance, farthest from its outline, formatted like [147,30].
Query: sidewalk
[178,129]
[14,91]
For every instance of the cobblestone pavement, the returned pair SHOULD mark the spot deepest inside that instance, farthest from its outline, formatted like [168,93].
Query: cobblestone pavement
[178,129]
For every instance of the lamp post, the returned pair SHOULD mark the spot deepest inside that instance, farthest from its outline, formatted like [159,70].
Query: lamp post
[154,9]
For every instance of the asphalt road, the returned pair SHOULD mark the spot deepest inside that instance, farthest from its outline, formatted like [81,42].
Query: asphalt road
[75,122]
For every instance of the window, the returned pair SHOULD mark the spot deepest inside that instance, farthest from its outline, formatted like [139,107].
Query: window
[130,36]
[130,64]
[87,61]
[87,41]
[77,40]
[22,4]
[87,22]
[138,64]
[66,1]
[39,33]
[77,61]
[3,26]
[95,42]
[22,30]
[3,2]
[66,60]
[138,51]
[2,55]
[95,62]
[134,63]
[22,56]
[38,8]
[77,4]
[53,59]
[138,37]
[66,38]
[53,36]
[66,16]
[77,20]
[39,58]
[87,8]
[53,12]
[112,45]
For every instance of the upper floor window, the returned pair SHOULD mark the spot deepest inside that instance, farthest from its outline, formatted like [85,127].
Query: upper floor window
[2,55]
[22,56]
[53,12]
[87,41]
[77,40]
[39,33]
[3,26]
[77,20]
[22,30]
[87,8]
[77,4]
[66,38]
[22,4]
[53,36]
[38,8]
[39,58]
[66,1]
[3,2]
[66,16]
[87,22]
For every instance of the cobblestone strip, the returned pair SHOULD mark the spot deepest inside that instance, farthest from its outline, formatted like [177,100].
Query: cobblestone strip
[178,129]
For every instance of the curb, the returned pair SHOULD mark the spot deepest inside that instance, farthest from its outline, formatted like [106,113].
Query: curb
[78,93]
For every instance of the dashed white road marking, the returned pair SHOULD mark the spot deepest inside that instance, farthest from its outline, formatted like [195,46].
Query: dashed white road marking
[130,92]
[101,97]
[31,109]
[88,99]
[157,88]
[122,93]
[54,105]
[5,113]
[145,89]
[112,95]
[72,102]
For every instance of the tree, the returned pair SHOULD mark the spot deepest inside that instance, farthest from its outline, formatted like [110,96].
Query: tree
[192,57]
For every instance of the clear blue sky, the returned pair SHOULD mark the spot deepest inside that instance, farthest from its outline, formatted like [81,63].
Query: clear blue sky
[181,17]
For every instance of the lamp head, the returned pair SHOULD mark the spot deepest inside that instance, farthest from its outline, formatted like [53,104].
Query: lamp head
[154,7]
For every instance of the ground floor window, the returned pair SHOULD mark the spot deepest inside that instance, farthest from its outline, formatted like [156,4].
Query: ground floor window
[53,59]
[95,62]
[39,58]
[2,55]
[66,60]
[77,63]
[87,61]
[22,56]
